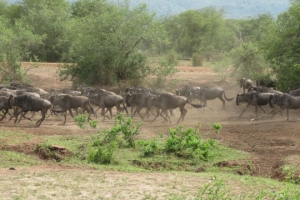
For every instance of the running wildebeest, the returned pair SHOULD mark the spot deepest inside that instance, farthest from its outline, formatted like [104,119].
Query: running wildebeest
[245,84]
[108,101]
[4,106]
[294,91]
[206,93]
[166,101]
[68,102]
[254,99]
[285,101]
[27,103]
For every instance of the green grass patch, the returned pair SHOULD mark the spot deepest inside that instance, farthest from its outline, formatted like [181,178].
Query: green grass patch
[14,159]
[13,138]
[71,142]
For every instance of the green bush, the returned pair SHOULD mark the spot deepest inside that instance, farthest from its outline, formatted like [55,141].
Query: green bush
[123,131]
[170,59]
[148,148]
[197,59]
[188,143]
[102,154]
[102,146]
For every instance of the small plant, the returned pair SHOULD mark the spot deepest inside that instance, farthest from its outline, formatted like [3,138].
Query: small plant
[102,154]
[188,143]
[217,127]
[149,148]
[197,59]
[81,120]
[123,131]
[102,146]
[286,194]
[290,175]
[214,190]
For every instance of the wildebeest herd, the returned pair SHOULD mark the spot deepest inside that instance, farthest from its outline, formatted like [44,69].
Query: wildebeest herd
[24,98]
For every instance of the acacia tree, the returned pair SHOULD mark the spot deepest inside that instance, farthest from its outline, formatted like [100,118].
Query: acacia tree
[283,47]
[106,44]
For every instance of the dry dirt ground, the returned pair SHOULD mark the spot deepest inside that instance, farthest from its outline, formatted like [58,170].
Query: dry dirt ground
[271,142]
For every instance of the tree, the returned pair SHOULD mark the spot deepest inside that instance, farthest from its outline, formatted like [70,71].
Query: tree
[106,48]
[248,56]
[202,31]
[283,46]
[48,19]
[14,45]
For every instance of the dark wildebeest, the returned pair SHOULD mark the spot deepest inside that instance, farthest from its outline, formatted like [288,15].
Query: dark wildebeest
[294,92]
[285,101]
[206,93]
[68,102]
[254,99]
[108,101]
[168,101]
[245,84]
[4,106]
[137,101]
[27,103]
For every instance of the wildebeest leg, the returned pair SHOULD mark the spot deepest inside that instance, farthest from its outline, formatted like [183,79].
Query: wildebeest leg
[71,113]
[183,112]
[4,113]
[137,110]
[17,114]
[288,114]
[38,123]
[157,114]
[244,110]
[65,115]
[167,118]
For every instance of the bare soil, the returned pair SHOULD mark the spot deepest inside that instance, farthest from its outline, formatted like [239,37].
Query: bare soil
[271,142]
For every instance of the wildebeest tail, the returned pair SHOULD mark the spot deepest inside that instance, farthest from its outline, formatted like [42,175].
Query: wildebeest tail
[195,105]
[227,99]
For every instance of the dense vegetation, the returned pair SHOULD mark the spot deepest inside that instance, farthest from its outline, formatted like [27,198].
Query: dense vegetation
[111,44]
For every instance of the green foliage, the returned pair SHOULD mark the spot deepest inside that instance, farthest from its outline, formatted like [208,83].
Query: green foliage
[167,68]
[49,20]
[188,143]
[283,48]
[123,129]
[248,61]
[13,48]
[286,194]
[198,59]
[149,148]
[102,154]
[290,174]
[217,127]
[215,190]
[106,46]
[204,30]
[170,59]
[81,120]
[102,147]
